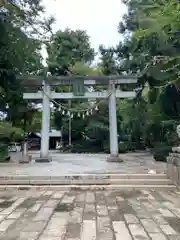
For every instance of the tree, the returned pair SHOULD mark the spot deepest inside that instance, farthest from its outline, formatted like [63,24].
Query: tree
[20,54]
[153,47]
[27,15]
[66,48]
[152,44]
[108,62]
[84,69]
[70,53]
[90,129]
[150,48]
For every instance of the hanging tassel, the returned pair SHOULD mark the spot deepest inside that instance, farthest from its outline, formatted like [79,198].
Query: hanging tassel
[72,115]
[59,108]
[87,113]
[63,112]
[68,113]
[83,116]
[79,114]
[91,111]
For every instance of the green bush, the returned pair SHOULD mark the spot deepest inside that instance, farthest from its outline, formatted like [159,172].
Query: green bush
[84,147]
[127,146]
[161,152]
[131,146]
[123,147]
[106,148]
[10,133]
[4,156]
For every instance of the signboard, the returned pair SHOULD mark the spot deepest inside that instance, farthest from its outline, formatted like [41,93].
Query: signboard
[78,87]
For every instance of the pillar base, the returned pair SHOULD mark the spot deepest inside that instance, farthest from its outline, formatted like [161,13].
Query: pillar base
[173,167]
[114,158]
[43,160]
[25,159]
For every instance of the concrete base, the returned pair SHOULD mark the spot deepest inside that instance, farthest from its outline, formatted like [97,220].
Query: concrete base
[43,159]
[25,159]
[173,167]
[114,158]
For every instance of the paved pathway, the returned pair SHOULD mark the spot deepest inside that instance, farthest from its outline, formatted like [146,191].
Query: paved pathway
[88,215]
[68,164]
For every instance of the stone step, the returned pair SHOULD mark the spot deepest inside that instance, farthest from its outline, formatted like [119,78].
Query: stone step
[86,182]
[86,176]
[85,187]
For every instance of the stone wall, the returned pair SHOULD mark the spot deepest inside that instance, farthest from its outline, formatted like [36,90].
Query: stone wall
[173,167]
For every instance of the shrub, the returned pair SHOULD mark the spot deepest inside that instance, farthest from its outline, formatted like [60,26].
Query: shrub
[161,152]
[131,146]
[106,148]
[127,146]
[10,133]
[122,147]
[4,156]
[84,147]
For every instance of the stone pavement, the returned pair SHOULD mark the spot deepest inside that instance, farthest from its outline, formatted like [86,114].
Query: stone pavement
[69,164]
[89,215]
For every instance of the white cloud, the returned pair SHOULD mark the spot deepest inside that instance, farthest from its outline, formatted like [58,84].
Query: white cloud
[99,17]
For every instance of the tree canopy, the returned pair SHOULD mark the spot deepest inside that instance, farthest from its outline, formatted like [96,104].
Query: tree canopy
[20,46]
[150,48]
[66,48]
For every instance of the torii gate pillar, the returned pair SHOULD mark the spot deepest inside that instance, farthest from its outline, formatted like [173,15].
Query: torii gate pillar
[114,151]
[44,153]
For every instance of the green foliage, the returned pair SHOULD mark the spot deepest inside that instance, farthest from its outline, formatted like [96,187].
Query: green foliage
[20,45]
[84,69]
[70,53]
[33,120]
[84,146]
[170,102]
[152,42]
[160,152]
[151,48]
[10,133]
[29,15]
[66,49]
[4,152]
[58,120]
[108,63]
[122,147]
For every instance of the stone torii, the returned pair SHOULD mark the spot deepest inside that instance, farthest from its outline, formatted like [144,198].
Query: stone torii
[78,82]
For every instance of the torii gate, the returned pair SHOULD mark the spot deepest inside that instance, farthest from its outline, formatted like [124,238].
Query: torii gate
[80,81]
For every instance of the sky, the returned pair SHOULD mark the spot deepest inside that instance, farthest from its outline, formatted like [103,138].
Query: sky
[99,18]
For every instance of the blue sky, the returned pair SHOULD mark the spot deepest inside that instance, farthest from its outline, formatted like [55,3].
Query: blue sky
[99,18]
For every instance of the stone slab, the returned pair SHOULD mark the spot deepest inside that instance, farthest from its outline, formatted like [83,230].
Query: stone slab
[121,231]
[94,215]
[88,231]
